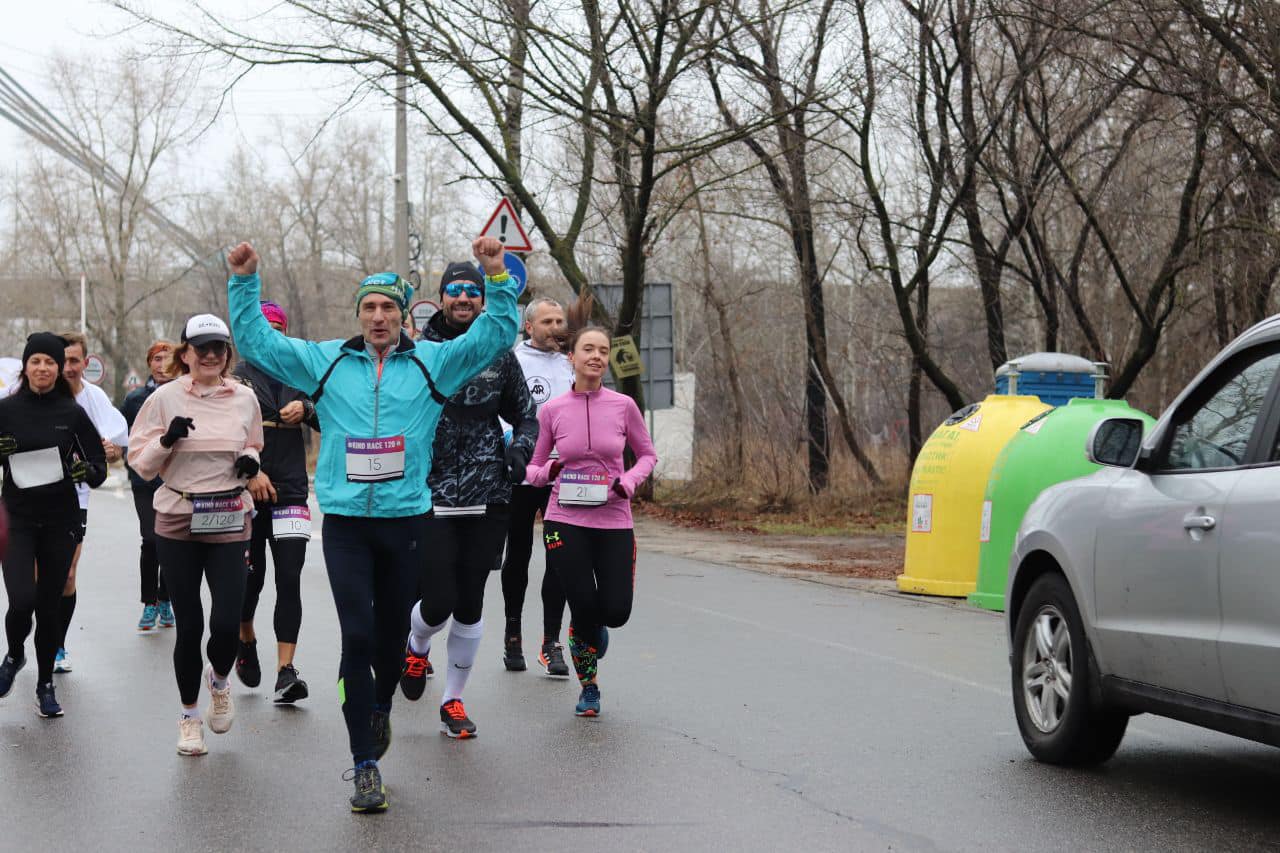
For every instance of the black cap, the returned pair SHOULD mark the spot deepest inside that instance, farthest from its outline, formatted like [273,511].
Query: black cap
[46,343]
[461,271]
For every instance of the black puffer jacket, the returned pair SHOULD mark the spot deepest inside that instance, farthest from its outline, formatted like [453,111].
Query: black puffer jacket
[284,453]
[132,405]
[468,465]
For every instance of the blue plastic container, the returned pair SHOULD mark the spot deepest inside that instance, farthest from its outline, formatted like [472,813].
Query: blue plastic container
[1054,377]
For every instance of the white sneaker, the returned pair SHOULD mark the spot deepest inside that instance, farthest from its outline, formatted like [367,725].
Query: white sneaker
[191,736]
[62,662]
[222,711]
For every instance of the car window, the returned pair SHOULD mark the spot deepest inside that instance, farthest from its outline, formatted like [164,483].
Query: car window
[1216,433]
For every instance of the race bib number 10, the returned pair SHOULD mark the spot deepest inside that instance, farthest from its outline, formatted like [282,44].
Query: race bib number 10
[291,522]
[374,460]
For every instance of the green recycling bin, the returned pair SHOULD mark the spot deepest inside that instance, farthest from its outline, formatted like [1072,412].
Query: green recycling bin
[1049,449]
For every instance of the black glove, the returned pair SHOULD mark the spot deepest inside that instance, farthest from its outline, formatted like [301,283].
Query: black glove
[79,470]
[247,466]
[619,489]
[8,444]
[516,460]
[179,428]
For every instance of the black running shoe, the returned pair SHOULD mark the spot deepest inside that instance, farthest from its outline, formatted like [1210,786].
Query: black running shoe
[247,666]
[552,659]
[9,669]
[454,721]
[289,687]
[380,723]
[413,678]
[513,654]
[46,702]
[371,794]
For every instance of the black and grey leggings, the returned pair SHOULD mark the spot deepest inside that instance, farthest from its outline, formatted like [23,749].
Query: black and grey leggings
[597,569]
[288,555]
[52,545]
[225,566]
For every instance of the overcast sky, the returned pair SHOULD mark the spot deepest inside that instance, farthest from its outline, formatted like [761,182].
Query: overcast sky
[35,32]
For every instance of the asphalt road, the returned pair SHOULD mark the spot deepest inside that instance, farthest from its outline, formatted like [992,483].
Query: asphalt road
[742,711]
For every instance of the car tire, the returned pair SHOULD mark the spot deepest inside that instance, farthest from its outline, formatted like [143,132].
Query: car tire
[1053,681]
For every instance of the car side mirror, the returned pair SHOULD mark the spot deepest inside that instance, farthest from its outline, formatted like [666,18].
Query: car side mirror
[1115,442]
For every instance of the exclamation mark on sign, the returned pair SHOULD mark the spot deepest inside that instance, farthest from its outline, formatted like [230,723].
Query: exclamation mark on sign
[502,229]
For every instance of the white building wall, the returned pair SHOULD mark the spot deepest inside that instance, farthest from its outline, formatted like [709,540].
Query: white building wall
[672,431]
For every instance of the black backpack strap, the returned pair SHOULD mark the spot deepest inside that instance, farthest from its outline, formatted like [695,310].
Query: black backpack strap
[426,374]
[315,396]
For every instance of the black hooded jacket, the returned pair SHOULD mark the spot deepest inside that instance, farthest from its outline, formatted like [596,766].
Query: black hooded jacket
[40,421]
[284,454]
[468,457]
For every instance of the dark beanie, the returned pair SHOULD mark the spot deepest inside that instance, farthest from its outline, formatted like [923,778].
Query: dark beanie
[461,271]
[46,343]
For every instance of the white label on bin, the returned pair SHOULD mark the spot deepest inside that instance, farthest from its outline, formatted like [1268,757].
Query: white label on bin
[1035,427]
[984,535]
[973,423]
[922,513]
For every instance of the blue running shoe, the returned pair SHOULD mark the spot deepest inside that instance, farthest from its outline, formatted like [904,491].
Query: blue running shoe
[62,661]
[46,702]
[604,643]
[9,669]
[149,616]
[370,795]
[166,614]
[589,701]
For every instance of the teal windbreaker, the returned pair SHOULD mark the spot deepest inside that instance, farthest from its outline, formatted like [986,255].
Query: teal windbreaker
[356,403]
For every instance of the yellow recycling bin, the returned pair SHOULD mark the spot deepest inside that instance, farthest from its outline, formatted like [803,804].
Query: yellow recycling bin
[945,501]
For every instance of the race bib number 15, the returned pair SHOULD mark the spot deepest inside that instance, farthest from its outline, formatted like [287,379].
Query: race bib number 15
[374,460]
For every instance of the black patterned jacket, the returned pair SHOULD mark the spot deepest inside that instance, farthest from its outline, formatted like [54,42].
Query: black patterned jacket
[468,465]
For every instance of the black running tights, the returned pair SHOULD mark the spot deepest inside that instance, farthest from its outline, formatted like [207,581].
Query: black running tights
[460,553]
[223,565]
[526,501]
[152,589]
[288,555]
[52,546]
[598,571]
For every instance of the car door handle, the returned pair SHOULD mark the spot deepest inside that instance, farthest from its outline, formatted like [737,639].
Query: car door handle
[1199,522]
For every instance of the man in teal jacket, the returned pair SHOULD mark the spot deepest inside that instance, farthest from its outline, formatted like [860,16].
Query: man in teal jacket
[379,396]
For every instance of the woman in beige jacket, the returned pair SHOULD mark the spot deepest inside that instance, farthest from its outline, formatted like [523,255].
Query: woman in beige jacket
[202,433]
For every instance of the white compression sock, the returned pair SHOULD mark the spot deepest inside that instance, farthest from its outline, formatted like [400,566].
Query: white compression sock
[464,644]
[420,632]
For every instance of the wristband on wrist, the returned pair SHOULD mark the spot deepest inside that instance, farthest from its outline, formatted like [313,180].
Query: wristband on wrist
[499,278]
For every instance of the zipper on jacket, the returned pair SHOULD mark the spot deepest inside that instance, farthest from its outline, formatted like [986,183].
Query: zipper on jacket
[377,387]
[588,399]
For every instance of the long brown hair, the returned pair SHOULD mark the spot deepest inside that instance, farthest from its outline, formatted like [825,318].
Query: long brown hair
[177,367]
[578,320]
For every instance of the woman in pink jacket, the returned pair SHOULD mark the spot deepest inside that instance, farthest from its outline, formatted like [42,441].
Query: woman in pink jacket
[202,433]
[588,531]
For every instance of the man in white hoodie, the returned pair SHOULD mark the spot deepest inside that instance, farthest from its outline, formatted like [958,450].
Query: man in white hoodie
[114,430]
[547,374]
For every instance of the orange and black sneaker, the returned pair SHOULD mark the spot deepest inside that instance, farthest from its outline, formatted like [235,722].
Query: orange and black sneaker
[413,678]
[454,721]
[552,659]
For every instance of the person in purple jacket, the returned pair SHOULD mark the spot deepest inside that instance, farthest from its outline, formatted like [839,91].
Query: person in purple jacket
[588,532]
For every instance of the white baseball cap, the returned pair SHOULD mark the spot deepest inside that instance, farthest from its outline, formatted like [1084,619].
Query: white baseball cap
[205,328]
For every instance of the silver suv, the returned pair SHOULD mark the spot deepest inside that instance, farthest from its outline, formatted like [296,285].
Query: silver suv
[1153,585]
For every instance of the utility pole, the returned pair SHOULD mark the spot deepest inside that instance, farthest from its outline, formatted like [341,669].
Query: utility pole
[400,237]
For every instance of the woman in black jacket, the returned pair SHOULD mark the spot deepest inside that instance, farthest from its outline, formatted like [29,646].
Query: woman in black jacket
[47,444]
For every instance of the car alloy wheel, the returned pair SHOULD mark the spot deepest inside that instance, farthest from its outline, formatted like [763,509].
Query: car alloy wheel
[1047,669]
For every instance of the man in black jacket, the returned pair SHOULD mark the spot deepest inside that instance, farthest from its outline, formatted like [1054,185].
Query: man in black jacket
[155,599]
[470,480]
[279,491]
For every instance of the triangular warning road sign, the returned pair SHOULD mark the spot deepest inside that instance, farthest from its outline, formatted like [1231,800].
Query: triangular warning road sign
[505,225]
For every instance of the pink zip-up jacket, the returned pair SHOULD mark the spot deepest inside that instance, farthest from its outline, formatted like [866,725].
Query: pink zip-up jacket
[590,430]
[228,424]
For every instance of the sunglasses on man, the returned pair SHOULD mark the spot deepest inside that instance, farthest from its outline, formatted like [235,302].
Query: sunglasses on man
[455,289]
[211,348]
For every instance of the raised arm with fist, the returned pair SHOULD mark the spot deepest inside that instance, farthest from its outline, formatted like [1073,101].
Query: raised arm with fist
[243,260]
[489,251]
